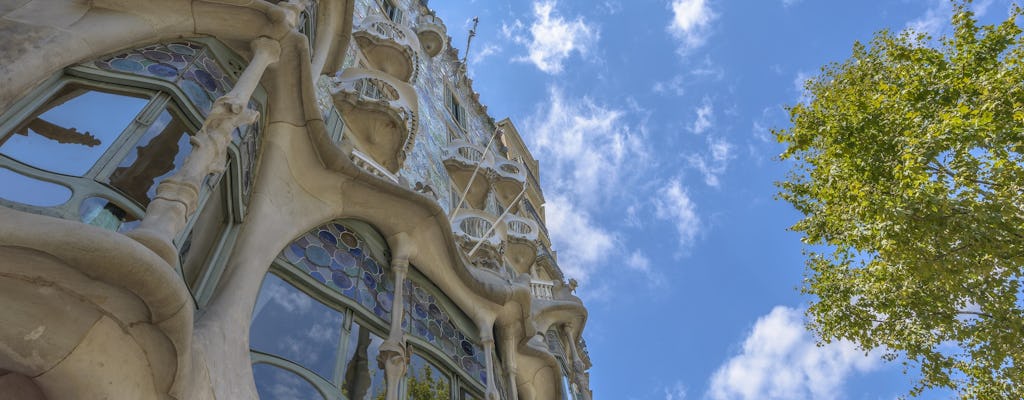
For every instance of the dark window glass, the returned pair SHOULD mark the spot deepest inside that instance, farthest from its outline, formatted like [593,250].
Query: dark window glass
[22,189]
[205,236]
[101,212]
[157,155]
[273,383]
[288,323]
[71,131]
[426,382]
[362,379]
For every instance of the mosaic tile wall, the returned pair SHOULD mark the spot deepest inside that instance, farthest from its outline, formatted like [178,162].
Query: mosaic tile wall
[424,164]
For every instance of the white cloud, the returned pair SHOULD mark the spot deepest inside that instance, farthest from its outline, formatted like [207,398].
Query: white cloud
[672,86]
[790,3]
[676,392]
[489,49]
[714,163]
[703,121]
[585,147]
[639,262]
[582,244]
[780,360]
[798,84]
[673,204]
[934,20]
[690,22]
[588,153]
[552,38]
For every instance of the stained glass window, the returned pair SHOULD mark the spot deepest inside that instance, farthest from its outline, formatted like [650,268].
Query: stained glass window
[190,66]
[431,322]
[337,257]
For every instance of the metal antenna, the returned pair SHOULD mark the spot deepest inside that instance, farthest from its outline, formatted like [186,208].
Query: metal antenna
[469,40]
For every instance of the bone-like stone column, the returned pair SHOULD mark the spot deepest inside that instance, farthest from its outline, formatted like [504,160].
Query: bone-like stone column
[177,196]
[509,351]
[487,339]
[393,356]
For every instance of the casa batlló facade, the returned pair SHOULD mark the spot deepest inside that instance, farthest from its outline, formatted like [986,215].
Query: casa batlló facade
[240,199]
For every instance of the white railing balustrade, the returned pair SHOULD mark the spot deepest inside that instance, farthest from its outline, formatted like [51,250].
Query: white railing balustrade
[475,227]
[542,289]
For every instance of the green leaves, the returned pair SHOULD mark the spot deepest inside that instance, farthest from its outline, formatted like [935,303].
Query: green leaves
[909,165]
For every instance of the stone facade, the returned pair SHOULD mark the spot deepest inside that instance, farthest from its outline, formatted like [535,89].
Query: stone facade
[220,199]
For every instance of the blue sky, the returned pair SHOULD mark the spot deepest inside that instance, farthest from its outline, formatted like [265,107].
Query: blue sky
[651,122]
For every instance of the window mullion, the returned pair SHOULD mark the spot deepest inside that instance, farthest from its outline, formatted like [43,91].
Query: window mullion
[122,146]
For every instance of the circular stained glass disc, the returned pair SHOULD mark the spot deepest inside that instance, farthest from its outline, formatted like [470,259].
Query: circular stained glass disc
[126,65]
[196,94]
[467,363]
[317,255]
[342,281]
[370,281]
[420,294]
[293,253]
[385,299]
[328,238]
[344,259]
[204,78]
[421,329]
[181,49]
[435,312]
[366,298]
[349,239]
[418,312]
[162,70]
[157,55]
[371,266]
[318,276]
[357,252]
[467,348]
[213,68]
[448,329]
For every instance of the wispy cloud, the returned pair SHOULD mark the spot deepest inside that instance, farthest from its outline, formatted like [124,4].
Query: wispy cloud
[586,150]
[639,262]
[673,204]
[581,242]
[675,392]
[552,38]
[780,360]
[489,49]
[691,20]
[790,3]
[713,164]
[935,19]
[703,121]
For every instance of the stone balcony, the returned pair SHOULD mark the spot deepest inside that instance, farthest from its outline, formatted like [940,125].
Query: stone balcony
[389,46]
[461,158]
[506,178]
[481,236]
[380,113]
[521,242]
[432,33]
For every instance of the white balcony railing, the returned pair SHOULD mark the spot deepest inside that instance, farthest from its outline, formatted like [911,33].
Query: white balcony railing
[542,289]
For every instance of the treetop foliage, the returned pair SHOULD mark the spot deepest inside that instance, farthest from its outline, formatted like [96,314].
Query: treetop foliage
[908,166]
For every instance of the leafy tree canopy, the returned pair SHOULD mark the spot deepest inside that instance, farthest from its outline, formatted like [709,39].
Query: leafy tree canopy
[908,171]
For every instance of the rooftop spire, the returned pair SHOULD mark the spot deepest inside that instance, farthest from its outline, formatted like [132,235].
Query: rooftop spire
[469,40]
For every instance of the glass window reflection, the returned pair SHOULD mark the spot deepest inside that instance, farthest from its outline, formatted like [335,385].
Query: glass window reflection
[71,131]
[290,324]
[426,381]
[158,154]
[362,379]
[274,383]
[22,189]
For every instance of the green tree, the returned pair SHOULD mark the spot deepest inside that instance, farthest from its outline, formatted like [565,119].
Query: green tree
[907,167]
[423,386]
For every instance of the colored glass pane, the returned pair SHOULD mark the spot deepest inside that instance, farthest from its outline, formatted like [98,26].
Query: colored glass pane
[432,322]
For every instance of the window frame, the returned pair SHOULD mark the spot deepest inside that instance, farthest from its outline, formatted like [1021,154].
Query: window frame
[354,312]
[161,95]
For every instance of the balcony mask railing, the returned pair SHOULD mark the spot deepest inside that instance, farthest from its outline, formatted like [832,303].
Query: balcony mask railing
[542,289]
[476,227]
[375,89]
[388,29]
[519,227]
